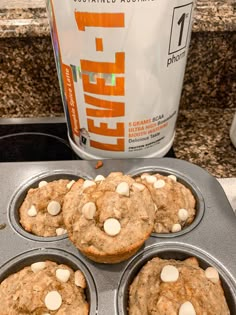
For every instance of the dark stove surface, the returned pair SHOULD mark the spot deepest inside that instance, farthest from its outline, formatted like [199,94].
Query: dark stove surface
[37,140]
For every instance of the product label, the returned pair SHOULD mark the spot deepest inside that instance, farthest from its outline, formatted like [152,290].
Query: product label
[122,64]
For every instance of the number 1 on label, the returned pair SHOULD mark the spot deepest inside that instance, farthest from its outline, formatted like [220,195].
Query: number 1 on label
[181,23]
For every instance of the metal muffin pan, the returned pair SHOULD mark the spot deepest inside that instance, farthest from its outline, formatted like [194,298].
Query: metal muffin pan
[21,194]
[58,256]
[176,251]
[183,179]
[210,238]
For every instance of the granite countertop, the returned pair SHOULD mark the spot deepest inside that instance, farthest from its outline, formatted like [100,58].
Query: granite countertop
[29,18]
[202,132]
[202,137]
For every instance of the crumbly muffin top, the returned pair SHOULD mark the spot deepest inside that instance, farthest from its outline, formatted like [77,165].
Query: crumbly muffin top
[44,288]
[40,212]
[108,216]
[175,203]
[172,287]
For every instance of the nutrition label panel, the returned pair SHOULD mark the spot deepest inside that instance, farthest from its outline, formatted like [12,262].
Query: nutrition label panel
[180,27]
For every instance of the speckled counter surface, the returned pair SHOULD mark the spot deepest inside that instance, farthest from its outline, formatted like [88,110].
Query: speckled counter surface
[29,18]
[29,85]
[202,137]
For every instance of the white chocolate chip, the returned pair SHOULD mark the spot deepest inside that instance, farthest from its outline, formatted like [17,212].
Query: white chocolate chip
[35,267]
[54,207]
[173,177]
[32,212]
[63,275]
[143,176]
[89,210]
[155,207]
[88,183]
[123,189]
[169,274]
[42,183]
[140,187]
[183,214]
[159,183]
[60,231]
[53,300]
[80,279]
[187,309]
[70,184]
[45,314]
[151,179]
[212,274]
[112,227]
[176,228]
[99,178]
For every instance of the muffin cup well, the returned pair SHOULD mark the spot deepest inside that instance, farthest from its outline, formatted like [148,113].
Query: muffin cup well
[187,182]
[21,193]
[60,257]
[178,251]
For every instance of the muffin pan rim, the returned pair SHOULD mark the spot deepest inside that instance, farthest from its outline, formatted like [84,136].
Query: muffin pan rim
[183,179]
[157,250]
[14,220]
[13,216]
[107,288]
[51,253]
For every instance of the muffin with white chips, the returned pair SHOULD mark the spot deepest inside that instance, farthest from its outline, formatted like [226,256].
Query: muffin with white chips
[176,287]
[174,202]
[40,213]
[45,287]
[110,218]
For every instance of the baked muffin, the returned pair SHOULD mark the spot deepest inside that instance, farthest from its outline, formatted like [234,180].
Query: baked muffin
[44,288]
[175,203]
[108,219]
[172,287]
[40,212]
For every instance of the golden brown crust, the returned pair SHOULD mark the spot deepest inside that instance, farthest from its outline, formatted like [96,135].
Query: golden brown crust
[169,200]
[149,295]
[24,292]
[134,212]
[118,256]
[43,224]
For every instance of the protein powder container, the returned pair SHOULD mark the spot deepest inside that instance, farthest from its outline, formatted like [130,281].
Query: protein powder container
[121,66]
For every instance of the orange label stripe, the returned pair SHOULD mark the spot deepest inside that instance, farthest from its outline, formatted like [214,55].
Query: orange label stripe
[120,146]
[92,19]
[117,67]
[99,44]
[70,98]
[101,88]
[112,109]
[103,129]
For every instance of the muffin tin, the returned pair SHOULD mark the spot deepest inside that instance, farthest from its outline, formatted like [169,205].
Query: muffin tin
[210,238]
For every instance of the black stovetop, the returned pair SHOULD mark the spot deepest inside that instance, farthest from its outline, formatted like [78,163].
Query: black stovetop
[44,141]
